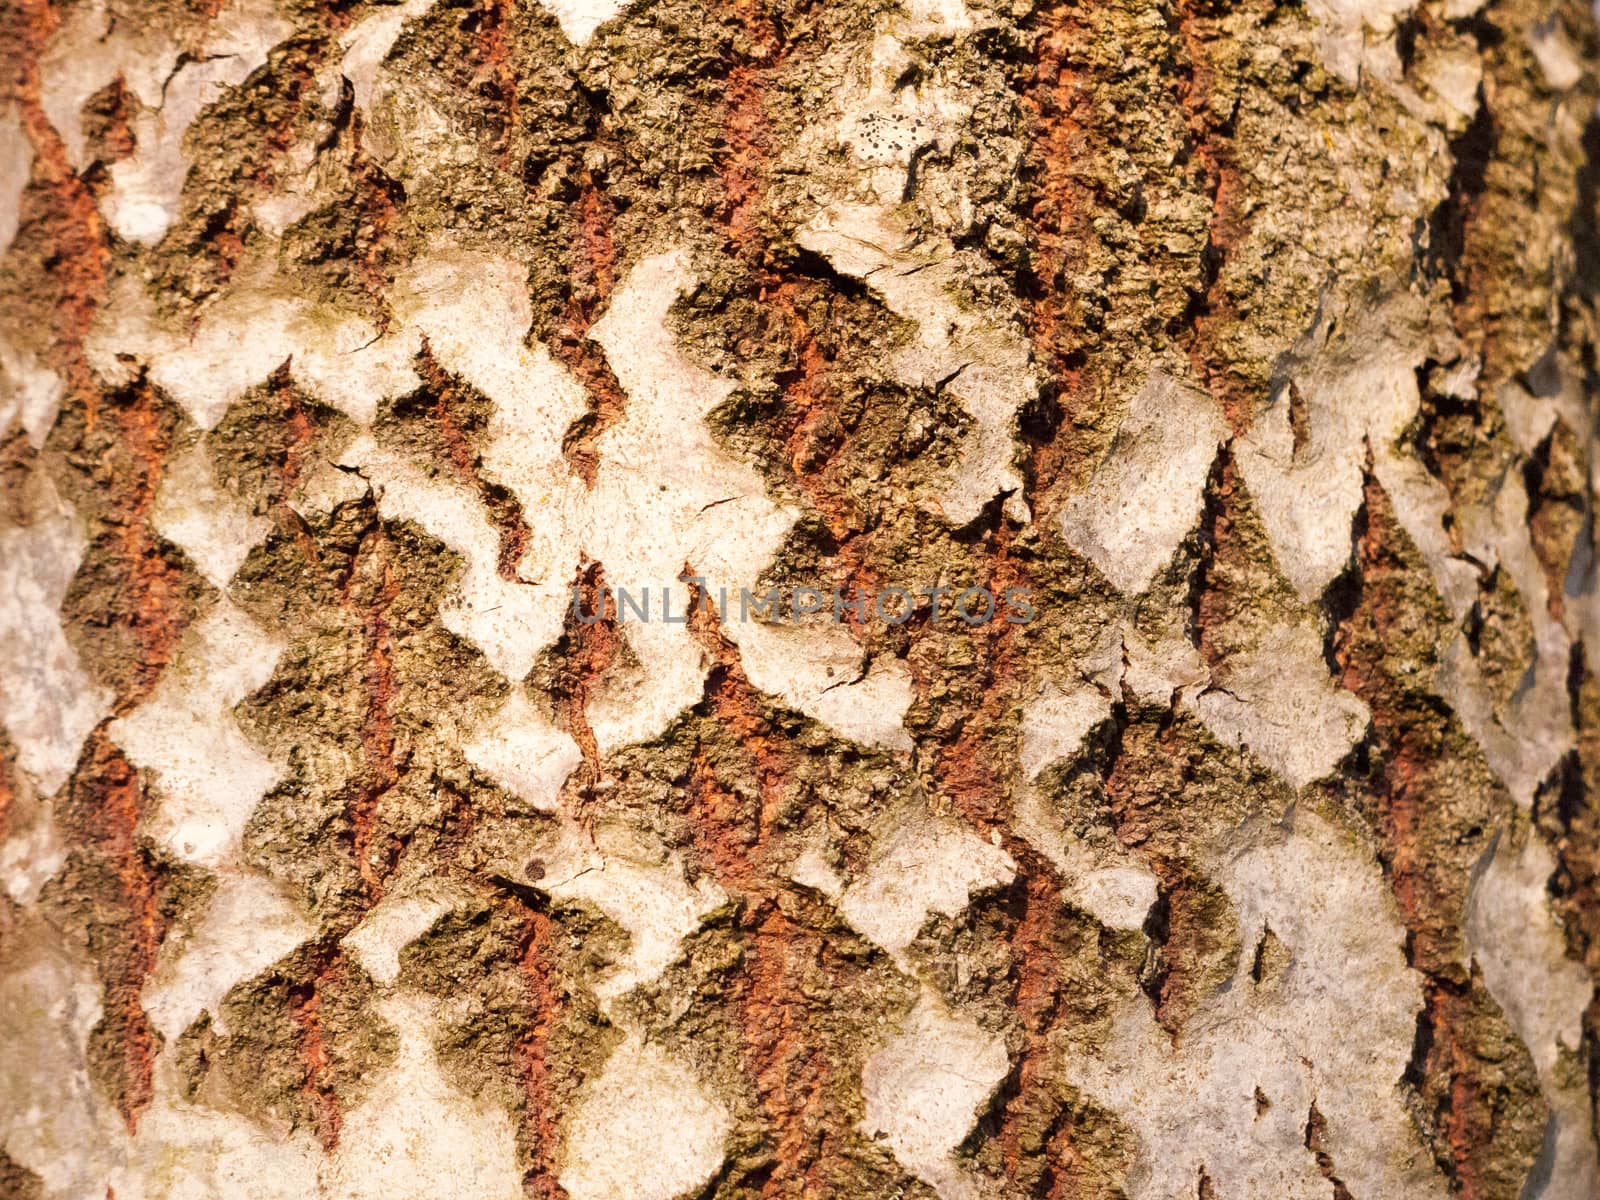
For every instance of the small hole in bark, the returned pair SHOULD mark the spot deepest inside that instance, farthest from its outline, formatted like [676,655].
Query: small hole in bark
[1299,420]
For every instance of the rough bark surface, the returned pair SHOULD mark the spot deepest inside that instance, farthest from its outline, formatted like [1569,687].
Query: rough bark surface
[357,837]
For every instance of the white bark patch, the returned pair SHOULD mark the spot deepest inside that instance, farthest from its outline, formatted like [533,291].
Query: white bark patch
[509,621]
[1100,878]
[639,885]
[1346,25]
[1522,740]
[30,392]
[32,850]
[1525,736]
[146,187]
[416,1137]
[1557,57]
[974,351]
[1103,879]
[208,775]
[925,865]
[474,310]
[1117,897]
[185,1151]
[1055,723]
[1423,508]
[55,1123]
[1278,701]
[580,18]
[88,51]
[1454,76]
[667,496]
[260,324]
[208,780]
[249,924]
[1274,699]
[1518,945]
[1192,1104]
[813,868]
[16,163]
[923,1088]
[213,528]
[523,752]
[1148,493]
[646,1128]
[1169,671]
[1357,390]
[980,359]
[367,44]
[399,919]
[47,702]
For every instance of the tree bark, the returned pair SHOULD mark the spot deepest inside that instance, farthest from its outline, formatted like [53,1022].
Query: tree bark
[968,598]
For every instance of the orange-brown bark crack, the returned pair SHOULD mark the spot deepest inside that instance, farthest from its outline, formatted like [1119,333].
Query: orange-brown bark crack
[747,126]
[540,1122]
[736,839]
[497,72]
[369,595]
[128,605]
[377,202]
[305,1009]
[105,800]
[591,643]
[1058,107]
[593,276]
[8,784]
[80,256]
[1472,1102]
[1214,310]
[504,510]
[808,426]
[977,780]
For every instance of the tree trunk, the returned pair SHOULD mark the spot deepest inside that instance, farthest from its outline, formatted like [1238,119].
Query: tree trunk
[970,599]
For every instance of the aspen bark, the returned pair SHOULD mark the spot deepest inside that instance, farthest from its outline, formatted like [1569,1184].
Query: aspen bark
[961,599]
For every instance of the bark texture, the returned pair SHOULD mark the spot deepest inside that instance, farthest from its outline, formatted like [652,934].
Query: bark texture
[1249,347]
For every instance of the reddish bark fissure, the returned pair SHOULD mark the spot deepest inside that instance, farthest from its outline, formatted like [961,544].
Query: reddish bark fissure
[790,1071]
[105,800]
[497,68]
[141,596]
[305,1008]
[592,278]
[1058,104]
[80,257]
[503,507]
[593,642]
[1408,741]
[810,444]
[747,126]
[147,603]
[8,790]
[1214,310]
[541,1130]
[375,200]
[371,600]
[968,775]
